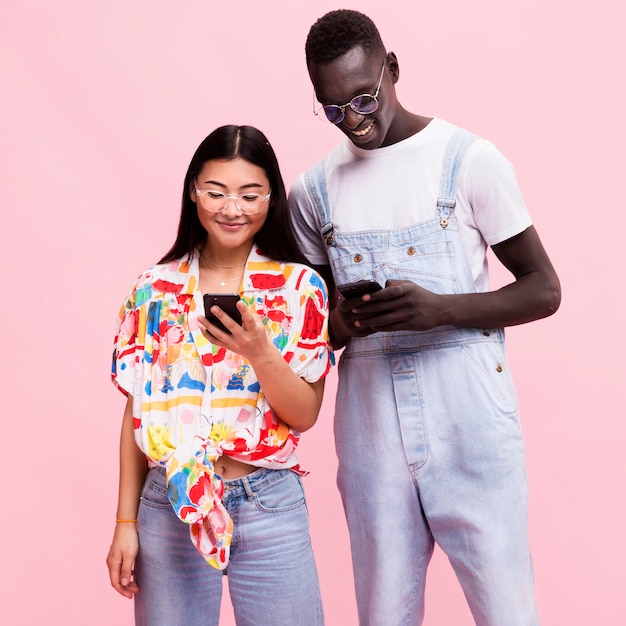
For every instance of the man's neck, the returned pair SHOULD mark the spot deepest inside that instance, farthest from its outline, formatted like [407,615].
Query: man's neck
[405,125]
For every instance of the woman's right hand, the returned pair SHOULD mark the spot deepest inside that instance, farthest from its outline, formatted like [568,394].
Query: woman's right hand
[121,559]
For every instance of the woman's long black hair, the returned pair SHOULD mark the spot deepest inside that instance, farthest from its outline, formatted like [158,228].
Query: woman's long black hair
[276,239]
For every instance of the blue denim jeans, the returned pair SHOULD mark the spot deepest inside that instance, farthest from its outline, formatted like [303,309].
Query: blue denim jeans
[272,576]
[427,432]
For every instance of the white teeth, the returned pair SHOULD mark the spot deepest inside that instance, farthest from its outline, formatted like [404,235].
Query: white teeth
[360,133]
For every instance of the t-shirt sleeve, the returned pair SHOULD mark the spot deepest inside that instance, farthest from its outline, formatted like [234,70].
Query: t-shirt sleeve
[494,194]
[306,224]
[311,355]
[127,349]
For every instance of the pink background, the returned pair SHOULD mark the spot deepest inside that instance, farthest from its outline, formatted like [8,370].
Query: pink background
[101,107]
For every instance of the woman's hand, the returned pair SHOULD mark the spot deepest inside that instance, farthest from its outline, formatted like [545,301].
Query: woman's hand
[125,544]
[249,340]
[121,559]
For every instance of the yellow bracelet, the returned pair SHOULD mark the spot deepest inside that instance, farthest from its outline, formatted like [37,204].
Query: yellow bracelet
[118,521]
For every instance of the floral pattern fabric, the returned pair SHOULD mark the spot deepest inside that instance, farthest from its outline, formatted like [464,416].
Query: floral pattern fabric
[194,401]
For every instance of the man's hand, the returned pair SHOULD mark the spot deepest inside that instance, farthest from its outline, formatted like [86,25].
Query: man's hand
[401,305]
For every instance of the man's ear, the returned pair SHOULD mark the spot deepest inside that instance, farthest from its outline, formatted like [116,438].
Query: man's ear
[393,66]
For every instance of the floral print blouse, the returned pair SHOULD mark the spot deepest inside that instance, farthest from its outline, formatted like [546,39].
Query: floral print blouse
[194,401]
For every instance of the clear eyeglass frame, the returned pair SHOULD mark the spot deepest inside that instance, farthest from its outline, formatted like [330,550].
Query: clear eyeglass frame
[210,199]
[336,113]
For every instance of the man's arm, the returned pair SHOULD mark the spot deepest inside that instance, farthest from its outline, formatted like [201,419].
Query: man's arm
[403,305]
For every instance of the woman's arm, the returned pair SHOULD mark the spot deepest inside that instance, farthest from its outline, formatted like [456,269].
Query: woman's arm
[292,398]
[124,547]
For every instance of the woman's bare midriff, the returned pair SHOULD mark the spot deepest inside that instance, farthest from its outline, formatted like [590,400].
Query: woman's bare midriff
[229,468]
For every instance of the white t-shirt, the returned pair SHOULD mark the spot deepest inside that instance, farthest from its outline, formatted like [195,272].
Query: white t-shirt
[398,185]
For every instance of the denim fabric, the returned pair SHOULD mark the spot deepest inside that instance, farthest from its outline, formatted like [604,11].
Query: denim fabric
[427,433]
[272,576]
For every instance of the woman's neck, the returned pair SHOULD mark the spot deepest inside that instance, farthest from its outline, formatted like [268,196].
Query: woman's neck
[223,259]
[221,271]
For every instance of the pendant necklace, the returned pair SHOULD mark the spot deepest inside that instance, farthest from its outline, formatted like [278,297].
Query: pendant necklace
[224,280]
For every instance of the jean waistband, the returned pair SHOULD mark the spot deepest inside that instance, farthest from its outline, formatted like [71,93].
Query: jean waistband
[255,481]
[247,484]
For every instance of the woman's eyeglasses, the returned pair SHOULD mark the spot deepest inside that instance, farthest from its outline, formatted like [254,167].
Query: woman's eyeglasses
[216,201]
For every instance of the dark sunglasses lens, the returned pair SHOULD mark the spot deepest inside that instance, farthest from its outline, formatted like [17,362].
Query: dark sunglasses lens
[334,114]
[364,104]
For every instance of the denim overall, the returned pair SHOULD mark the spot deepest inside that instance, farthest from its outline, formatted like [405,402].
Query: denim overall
[427,431]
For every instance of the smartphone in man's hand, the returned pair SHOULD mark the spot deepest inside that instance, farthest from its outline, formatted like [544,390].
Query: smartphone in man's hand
[358,288]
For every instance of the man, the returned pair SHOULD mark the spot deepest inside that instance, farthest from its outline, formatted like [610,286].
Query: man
[426,424]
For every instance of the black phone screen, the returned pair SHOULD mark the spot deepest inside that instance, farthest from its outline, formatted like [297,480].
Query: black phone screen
[226,302]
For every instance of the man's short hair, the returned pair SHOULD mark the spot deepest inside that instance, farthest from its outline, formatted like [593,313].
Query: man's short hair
[338,32]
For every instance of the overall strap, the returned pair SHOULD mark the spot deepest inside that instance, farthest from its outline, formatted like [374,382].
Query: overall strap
[460,141]
[315,182]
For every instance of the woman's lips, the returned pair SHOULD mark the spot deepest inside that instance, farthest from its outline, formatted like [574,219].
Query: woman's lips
[231,225]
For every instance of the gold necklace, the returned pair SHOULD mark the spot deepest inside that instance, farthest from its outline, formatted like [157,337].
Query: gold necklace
[222,267]
[224,280]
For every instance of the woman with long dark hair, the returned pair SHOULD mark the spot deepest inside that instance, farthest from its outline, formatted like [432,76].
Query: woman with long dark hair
[209,479]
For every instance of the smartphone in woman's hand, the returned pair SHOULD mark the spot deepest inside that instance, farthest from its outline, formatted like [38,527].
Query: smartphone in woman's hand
[227,302]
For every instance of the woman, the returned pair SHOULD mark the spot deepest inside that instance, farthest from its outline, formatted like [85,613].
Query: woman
[209,480]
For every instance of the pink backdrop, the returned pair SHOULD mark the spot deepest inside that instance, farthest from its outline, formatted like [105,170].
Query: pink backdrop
[101,107]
